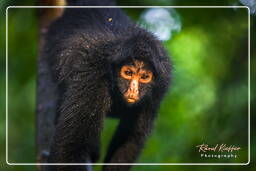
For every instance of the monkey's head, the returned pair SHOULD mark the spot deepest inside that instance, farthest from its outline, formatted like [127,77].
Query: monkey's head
[141,69]
[135,80]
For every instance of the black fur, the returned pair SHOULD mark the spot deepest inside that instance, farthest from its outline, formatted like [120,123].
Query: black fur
[85,51]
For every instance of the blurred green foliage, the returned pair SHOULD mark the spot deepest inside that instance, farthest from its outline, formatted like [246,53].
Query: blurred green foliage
[207,101]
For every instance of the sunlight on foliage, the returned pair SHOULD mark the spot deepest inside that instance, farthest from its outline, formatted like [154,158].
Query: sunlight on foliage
[160,21]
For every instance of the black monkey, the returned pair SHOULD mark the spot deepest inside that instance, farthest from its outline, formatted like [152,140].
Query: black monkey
[105,65]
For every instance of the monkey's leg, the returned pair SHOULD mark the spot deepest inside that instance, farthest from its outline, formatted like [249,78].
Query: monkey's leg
[129,138]
[79,125]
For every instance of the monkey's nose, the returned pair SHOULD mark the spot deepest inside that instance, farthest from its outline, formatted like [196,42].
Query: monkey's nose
[133,91]
[132,96]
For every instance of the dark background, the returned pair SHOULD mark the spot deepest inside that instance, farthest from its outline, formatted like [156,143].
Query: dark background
[207,102]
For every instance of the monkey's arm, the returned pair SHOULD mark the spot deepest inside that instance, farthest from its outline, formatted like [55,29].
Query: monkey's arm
[81,115]
[129,138]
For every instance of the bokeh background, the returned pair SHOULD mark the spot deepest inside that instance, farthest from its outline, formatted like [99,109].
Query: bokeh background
[207,101]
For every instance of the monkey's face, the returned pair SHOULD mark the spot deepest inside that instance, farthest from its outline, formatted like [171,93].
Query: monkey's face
[135,81]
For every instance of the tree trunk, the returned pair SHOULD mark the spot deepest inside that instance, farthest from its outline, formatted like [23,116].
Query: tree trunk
[46,99]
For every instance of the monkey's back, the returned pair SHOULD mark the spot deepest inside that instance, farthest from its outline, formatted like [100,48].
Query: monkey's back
[74,41]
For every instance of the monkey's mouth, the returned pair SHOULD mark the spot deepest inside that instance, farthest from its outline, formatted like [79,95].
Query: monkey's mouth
[131,100]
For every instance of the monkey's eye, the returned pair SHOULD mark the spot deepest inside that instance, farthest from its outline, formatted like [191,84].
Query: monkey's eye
[144,76]
[128,72]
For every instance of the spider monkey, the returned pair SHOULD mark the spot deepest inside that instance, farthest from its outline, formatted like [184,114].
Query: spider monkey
[104,65]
